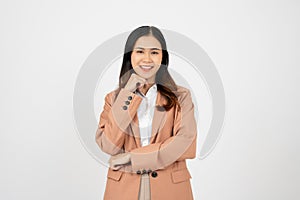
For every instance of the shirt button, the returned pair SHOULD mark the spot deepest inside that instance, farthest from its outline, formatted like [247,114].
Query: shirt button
[138,172]
[130,97]
[124,107]
[154,174]
[127,102]
[144,171]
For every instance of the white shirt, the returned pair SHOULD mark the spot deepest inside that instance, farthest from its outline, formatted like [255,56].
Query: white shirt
[145,114]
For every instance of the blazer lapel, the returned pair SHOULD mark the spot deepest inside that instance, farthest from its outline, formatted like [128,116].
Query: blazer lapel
[157,121]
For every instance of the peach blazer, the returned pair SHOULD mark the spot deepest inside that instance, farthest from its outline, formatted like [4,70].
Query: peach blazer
[173,140]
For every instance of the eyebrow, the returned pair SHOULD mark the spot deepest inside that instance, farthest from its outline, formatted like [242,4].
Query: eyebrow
[150,48]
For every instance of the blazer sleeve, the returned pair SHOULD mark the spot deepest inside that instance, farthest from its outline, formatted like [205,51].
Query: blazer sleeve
[114,120]
[181,146]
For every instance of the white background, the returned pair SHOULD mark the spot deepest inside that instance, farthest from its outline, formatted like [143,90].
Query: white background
[254,45]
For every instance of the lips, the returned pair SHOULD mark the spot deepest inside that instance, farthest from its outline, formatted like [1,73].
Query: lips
[146,68]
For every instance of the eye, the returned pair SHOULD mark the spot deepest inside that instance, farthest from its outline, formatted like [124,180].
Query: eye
[139,51]
[154,52]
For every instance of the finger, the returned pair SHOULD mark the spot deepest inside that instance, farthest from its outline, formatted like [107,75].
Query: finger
[116,167]
[142,82]
[118,161]
[139,78]
[140,85]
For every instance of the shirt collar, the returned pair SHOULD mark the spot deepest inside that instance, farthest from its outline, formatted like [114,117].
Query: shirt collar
[151,91]
[153,87]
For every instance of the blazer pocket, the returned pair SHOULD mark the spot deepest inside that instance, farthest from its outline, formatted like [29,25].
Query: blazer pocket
[115,175]
[180,175]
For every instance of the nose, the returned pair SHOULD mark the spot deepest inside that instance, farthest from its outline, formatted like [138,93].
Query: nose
[147,57]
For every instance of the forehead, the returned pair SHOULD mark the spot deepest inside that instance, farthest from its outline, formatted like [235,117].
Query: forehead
[147,42]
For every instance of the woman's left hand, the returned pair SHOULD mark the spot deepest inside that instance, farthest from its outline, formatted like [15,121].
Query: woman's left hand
[116,161]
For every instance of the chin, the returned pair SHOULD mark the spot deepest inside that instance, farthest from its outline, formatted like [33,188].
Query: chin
[143,75]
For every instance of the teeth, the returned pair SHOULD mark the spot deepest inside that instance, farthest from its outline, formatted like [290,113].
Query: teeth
[146,67]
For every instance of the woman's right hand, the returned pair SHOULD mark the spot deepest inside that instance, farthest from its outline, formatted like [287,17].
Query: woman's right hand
[117,161]
[135,82]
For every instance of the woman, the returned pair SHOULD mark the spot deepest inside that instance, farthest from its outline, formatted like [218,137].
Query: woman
[147,125]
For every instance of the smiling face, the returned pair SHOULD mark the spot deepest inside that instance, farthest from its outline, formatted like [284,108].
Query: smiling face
[146,57]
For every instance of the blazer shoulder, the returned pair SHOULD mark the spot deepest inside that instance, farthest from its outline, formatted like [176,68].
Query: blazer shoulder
[182,89]
[182,92]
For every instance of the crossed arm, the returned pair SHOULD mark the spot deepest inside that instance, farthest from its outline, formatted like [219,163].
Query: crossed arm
[115,119]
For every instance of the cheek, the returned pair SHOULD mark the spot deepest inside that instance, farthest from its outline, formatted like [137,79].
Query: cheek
[134,60]
[158,60]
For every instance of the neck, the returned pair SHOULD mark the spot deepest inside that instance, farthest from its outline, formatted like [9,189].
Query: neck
[146,87]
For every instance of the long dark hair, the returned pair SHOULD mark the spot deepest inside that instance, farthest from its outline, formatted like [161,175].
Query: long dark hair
[165,83]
